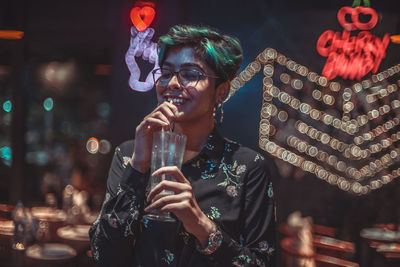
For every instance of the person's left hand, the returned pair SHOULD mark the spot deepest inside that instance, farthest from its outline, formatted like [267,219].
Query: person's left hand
[183,203]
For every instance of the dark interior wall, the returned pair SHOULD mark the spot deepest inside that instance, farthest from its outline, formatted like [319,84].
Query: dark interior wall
[291,27]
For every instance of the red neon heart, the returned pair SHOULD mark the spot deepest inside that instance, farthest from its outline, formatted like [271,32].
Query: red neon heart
[142,17]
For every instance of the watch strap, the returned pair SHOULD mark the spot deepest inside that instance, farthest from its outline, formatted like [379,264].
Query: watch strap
[214,242]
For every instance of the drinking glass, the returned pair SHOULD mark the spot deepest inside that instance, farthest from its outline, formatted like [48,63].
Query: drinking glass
[167,150]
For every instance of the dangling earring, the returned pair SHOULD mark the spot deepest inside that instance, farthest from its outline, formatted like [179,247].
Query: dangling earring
[221,113]
[221,117]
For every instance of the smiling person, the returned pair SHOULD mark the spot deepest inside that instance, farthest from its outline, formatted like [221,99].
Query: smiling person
[223,199]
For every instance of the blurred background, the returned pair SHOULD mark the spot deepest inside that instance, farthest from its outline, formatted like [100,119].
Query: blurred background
[65,102]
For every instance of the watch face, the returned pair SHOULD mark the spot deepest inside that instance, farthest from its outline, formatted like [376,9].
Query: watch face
[216,238]
[214,241]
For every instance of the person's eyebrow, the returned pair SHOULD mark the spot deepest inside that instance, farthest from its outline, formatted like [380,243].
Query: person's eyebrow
[185,65]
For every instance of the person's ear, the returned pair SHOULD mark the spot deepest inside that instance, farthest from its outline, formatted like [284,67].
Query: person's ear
[222,92]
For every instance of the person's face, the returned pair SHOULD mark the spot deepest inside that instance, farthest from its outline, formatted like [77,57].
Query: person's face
[193,102]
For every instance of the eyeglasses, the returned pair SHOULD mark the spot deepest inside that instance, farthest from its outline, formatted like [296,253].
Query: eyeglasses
[186,77]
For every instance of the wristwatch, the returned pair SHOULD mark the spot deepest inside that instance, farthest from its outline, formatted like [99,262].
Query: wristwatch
[214,242]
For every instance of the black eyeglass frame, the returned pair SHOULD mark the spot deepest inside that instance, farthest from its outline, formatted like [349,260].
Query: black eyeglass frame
[178,75]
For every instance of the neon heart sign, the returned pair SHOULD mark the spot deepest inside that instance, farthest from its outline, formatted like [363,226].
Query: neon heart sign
[142,15]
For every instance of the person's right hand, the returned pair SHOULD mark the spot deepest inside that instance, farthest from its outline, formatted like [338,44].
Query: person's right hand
[161,117]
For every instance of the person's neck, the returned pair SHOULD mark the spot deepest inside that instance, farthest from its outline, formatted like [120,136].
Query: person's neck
[197,133]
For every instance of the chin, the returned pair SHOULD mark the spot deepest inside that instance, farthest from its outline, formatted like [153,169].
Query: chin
[181,117]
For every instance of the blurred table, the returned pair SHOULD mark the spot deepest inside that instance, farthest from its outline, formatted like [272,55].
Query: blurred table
[50,254]
[6,235]
[6,211]
[292,257]
[76,236]
[333,247]
[381,245]
[286,230]
[50,218]
[324,241]
[63,245]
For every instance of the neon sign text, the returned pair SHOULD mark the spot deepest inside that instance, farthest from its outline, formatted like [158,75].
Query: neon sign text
[352,57]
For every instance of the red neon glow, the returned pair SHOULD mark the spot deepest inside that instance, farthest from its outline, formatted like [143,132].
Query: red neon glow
[352,57]
[10,34]
[142,17]
[395,39]
[355,14]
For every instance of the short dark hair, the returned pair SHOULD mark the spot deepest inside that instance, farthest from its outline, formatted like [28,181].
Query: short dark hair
[222,53]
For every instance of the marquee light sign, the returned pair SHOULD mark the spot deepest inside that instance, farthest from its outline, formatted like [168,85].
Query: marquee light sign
[352,57]
[347,135]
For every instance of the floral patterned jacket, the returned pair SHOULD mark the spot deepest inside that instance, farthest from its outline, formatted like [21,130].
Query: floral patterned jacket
[232,186]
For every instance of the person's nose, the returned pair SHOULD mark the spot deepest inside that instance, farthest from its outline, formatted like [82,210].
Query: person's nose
[174,83]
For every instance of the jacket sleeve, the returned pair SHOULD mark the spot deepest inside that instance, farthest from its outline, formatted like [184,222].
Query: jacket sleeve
[257,238]
[113,234]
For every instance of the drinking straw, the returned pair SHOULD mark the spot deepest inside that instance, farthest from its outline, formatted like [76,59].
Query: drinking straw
[163,177]
[162,147]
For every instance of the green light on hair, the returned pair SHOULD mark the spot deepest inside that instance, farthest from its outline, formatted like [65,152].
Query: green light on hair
[7,106]
[48,104]
[222,53]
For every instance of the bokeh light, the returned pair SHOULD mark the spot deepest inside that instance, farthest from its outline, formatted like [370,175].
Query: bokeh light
[56,76]
[40,158]
[103,109]
[7,106]
[48,104]
[66,128]
[7,118]
[104,146]
[92,145]
[6,155]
